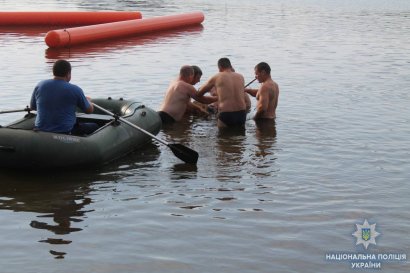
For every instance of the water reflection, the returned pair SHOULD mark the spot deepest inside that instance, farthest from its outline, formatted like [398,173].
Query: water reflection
[230,143]
[120,5]
[266,135]
[180,132]
[21,31]
[144,158]
[263,157]
[184,171]
[100,48]
[59,201]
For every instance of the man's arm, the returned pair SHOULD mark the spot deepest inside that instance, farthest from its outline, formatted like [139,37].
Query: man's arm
[247,102]
[33,103]
[90,109]
[196,110]
[251,92]
[263,102]
[205,99]
[206,87]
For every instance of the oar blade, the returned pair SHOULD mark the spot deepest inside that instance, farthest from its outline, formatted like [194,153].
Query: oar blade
[184,153]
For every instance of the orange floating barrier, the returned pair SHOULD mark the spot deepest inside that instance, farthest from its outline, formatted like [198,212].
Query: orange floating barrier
[68,18]
[93,50]
[79,35]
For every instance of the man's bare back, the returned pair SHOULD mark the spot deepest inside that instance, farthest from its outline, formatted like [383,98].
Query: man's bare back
[229,87]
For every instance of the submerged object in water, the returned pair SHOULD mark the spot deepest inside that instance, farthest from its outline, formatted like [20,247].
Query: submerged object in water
[80,35]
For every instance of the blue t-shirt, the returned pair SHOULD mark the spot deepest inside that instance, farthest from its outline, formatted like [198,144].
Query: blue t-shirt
[56,102]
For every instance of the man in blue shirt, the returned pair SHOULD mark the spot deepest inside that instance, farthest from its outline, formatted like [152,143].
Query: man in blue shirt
[56,101]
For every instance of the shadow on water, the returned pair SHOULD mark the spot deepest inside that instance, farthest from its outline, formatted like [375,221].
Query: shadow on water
[61,199]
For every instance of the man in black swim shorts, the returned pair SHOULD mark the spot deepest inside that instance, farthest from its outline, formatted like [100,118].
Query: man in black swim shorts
[236,118]
[229,87]
[165,118]
[178,96]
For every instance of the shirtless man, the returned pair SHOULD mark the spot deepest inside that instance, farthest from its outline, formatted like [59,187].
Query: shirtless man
[197,74]
[195,107]
[229,87]
[267,94]
[178,96]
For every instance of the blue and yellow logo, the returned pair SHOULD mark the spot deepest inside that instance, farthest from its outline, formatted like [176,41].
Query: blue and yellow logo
[366,234]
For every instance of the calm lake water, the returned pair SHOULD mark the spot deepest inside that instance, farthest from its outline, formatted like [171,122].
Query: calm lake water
[267,199]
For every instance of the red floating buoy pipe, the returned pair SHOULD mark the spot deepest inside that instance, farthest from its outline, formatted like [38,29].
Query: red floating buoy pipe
[79,35]
[68,18]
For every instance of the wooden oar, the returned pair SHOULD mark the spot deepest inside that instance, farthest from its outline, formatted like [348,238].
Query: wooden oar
[250,83]
[182,152]
[27,109]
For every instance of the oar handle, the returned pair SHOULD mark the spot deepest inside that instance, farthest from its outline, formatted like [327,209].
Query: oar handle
[184,153]
[250,83]
[27,109]
[130,124]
